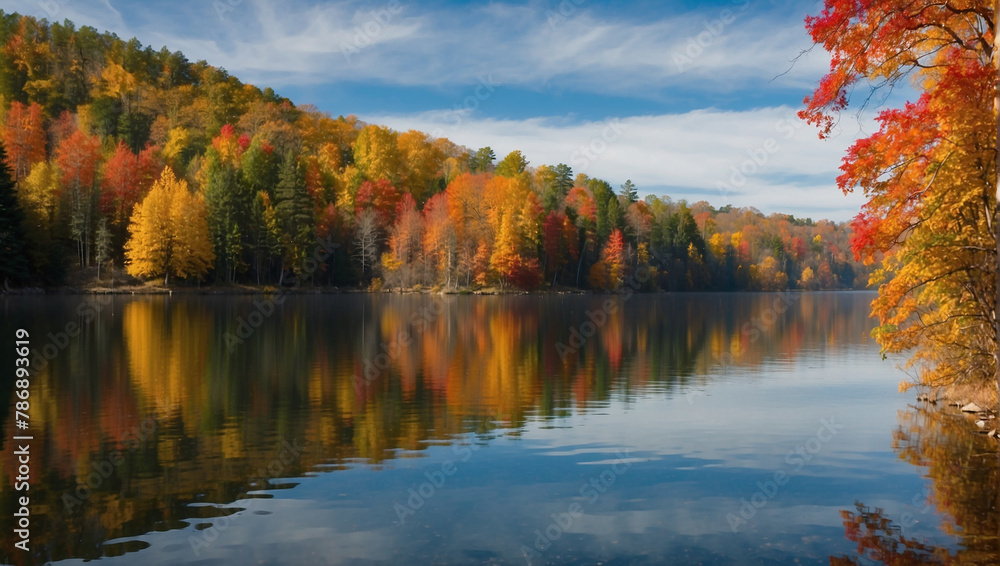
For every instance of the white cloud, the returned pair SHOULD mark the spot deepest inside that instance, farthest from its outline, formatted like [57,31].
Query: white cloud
[102,15]
[400,43]
[783,166]
[712,54]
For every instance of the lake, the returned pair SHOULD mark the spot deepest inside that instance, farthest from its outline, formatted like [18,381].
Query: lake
[406,429]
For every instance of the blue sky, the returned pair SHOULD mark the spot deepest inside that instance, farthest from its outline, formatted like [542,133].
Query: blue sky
[693,100]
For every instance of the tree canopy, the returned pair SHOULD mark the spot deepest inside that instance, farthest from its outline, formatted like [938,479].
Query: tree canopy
[103,133]
[929,174]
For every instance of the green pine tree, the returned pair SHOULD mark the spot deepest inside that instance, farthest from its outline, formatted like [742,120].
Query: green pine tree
[295,215]
[229,206]
[629,192]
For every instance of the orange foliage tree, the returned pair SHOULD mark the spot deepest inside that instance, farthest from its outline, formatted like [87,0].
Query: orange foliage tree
[609,272]
[24,138]
[401,264]
[381,197]
[126,178]
[929,174]
[78,157]
[71,99]
[440,241]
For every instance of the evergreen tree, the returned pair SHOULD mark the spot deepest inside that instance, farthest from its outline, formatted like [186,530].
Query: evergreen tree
[265,237]
[603,195]
[295,214]
[629,192]
[482,160]
[13,258]
[564,178]
[616,216]
[228,213]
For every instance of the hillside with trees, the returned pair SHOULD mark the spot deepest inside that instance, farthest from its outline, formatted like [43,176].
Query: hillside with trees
[121,156]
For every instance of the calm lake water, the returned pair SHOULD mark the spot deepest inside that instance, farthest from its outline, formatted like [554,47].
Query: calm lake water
[654,429]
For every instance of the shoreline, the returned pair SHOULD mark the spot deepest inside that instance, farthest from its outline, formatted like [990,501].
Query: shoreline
[981,418]
[269,290]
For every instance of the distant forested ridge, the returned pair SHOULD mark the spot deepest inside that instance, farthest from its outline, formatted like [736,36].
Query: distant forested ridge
[121,155]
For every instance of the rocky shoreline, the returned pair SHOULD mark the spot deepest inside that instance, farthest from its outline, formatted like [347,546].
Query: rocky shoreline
[985,419]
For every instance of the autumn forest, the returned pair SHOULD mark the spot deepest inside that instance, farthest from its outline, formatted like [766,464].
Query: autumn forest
[127,160]
[314,327]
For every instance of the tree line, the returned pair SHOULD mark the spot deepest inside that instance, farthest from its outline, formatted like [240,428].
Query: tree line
[120,155]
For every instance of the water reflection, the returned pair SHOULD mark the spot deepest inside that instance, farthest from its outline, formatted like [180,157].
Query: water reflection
[963,488]
[882,541]
[164,410]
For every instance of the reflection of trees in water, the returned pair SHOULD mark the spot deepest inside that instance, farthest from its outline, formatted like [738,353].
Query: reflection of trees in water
[965,486]
[472,366]
[882,541]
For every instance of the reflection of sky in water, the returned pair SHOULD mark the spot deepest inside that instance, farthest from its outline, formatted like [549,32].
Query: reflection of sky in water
[693,453]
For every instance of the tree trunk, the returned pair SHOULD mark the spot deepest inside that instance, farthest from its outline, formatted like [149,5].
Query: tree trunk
[996,228]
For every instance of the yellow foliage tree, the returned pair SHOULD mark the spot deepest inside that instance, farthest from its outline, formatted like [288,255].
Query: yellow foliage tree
[118,83]
[177,140]
[421,162]
[376,153]
[504,252]
[717,245]
[39,194]
[808,279]
[169,233]
[768,276]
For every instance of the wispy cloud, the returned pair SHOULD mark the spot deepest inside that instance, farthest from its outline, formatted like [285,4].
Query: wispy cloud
[718,57]
[635,54]
[782,164]
[519,45]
